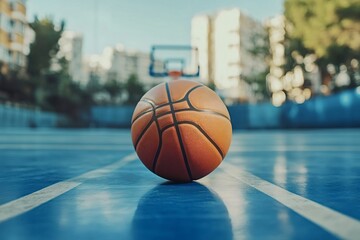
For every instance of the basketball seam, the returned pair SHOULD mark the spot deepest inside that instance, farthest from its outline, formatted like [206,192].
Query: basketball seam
[159,133]
[194,110]
[164,104]
[202,110]
[201,130]
[172,111]
[182,99]
[142,113]
[179,110]
[185,98]
[205,135]
[155,118]
[178,132]
[145,129]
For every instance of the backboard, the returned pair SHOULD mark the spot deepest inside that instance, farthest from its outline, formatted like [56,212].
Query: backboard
[174,60]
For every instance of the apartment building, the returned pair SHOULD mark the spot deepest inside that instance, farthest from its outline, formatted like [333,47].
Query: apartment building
[71,48]
[15,34]
[224,40]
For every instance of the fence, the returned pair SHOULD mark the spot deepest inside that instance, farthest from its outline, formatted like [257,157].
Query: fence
[111,116]
[338,110]
[16,116]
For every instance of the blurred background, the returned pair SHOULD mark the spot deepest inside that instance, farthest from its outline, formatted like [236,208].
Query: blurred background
[276,64]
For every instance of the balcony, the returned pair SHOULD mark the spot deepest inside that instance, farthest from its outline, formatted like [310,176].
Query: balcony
[17,15]
[14,46]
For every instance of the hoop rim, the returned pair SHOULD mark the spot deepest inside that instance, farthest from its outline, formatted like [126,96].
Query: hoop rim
[174,74]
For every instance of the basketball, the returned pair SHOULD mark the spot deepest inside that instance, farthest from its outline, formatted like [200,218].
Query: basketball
[181,130]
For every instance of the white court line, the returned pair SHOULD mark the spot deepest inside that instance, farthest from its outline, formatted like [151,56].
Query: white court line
[63,140]
[128,146]
[65,147]
[335,222]
[33,200]
[235,148]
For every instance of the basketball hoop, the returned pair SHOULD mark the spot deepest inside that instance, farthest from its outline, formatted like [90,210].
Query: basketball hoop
[175,74]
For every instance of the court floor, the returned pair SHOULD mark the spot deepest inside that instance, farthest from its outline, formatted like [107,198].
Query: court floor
[89,184]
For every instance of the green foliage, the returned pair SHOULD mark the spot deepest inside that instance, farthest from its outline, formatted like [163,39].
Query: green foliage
[15,87]
[294,47]
[54,89]
[134,89]
[260,48]
[67,97]
[58,92]
[115,92]
[49,86]
[114,89]
[45,46]
[211,85]
[93,86]
[325,28]
[258,84]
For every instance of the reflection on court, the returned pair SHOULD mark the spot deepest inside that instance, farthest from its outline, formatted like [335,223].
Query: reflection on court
[247,197]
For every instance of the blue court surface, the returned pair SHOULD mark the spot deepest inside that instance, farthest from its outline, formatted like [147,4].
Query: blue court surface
[89,184]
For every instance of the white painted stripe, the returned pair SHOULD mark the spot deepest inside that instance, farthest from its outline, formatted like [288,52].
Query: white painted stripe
[62,133]
[33,200]
[23,140]
[65,147]
[294,149]
[125,147]
[335,222]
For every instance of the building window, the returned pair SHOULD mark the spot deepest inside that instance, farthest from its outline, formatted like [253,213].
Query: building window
[20,28]
[11,37]
[18,59]
[3,21]
[10,53]
[11,25]
[3,54]
[13,5]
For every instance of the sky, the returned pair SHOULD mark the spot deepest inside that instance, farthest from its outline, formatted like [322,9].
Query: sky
[138,24]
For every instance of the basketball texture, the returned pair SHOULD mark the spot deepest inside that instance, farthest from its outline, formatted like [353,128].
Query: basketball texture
[181,130]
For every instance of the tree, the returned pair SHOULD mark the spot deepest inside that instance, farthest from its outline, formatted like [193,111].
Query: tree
[55,89]
[134,89]
[260,49]
[65,96]
[329,29]
[42,53]
[45,46]
[260,46]
[258,84]
[211,85]
[113,88]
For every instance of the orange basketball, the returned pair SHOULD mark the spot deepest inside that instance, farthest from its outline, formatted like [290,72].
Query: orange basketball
[181,130]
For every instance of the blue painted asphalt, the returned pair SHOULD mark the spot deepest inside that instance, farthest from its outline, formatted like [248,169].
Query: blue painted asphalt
[132,203]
